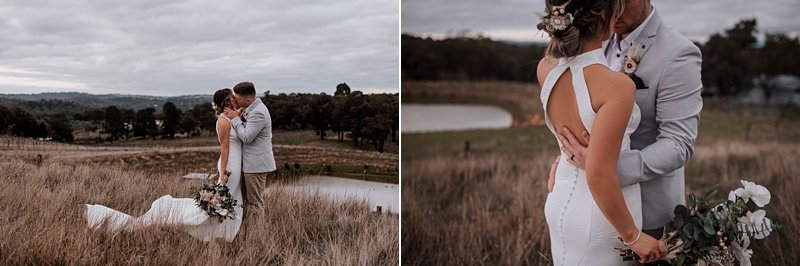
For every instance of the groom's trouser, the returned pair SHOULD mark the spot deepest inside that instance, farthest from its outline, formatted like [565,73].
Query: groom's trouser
[253,189]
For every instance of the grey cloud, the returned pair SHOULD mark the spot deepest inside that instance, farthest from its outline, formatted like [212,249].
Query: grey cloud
[695,19]
[190,47]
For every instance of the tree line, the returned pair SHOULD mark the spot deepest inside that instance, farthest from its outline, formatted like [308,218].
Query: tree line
[366,119]
[732,60]
[468,58]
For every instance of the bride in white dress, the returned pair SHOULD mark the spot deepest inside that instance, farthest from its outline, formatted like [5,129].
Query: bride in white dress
[182,212]
[587,211]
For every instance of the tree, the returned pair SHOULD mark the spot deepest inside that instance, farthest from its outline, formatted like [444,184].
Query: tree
[203,115]
[378,123]
[376,129]
[128,117]
[5,119]
[342,89]
[59,128]
[355,108]
[319,114]
[728,60]
[468,57]
[96,117]
[23,124]
[288,111]
[113,123]
[144,124]
[339,116]
[778,56]
[188,126]
[172,118]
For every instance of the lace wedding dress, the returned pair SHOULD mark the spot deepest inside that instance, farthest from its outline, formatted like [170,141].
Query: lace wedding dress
[181,212]
[579,233]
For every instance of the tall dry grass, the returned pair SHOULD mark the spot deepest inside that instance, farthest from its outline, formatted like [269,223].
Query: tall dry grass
[42,220]
[489,209]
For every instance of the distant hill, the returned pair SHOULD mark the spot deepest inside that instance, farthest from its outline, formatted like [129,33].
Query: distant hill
[42,108]
[135,102]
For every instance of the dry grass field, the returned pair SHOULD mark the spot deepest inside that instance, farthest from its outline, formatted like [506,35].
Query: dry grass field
[42,218]
[488,209]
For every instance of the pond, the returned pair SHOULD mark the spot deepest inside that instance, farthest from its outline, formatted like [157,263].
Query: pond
[418,118]
[374,193]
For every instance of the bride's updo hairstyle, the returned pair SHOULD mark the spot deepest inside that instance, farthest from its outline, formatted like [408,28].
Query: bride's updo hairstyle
[221,100]
[572,22]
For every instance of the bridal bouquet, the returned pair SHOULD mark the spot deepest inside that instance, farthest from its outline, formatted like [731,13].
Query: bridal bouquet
[216,201]
[710,231]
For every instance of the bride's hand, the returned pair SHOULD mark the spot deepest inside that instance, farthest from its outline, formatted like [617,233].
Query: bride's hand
[232,113]
[648,248]
[223,178]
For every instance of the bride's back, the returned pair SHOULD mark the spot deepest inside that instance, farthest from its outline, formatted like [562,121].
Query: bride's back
[562,106]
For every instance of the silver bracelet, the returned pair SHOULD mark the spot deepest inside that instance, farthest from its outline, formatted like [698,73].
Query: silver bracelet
[634,241]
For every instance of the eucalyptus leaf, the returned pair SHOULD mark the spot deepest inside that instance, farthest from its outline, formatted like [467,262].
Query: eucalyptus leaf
[708,229]
[688,232]
[678,222]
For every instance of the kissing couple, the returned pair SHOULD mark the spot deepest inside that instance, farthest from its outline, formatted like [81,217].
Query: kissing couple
[244,130]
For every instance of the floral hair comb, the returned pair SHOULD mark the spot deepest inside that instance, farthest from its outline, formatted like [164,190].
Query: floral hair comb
[557,20]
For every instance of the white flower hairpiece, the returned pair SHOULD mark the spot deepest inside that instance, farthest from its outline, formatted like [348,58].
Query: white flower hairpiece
[557,20]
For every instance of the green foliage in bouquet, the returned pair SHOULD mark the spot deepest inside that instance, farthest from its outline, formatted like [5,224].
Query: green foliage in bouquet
[712,231]
[215,200]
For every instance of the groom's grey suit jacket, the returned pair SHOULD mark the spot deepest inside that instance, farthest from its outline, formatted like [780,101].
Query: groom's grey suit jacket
[256,135]
[669,66]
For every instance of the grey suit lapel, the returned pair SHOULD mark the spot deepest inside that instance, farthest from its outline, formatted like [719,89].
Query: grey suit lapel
[645,40]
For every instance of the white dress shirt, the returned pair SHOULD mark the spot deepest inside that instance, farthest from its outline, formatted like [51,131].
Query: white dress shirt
[616,53]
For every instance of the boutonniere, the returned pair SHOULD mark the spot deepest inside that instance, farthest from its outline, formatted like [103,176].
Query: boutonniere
[631,60]
[243,116]
[629,65]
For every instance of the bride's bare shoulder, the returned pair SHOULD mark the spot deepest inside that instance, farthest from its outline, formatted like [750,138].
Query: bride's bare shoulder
[223,122]
[605,84]
[545,66]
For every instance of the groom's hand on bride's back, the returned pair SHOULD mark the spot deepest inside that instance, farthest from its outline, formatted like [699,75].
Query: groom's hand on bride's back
[576,152]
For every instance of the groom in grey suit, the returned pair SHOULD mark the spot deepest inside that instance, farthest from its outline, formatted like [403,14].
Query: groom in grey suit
[668,94]
[253,124]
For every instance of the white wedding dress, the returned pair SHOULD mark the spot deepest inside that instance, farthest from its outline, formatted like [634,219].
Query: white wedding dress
[579,232]
[181,212]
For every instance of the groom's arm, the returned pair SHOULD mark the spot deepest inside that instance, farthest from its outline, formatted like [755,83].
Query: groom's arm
[248,131]
[678,105]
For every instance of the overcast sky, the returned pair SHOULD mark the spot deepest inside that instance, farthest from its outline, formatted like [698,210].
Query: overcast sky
[515,19]
[157,47]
